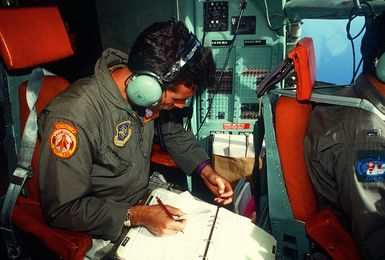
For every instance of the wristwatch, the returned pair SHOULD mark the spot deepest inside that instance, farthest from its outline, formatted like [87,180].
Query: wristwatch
[127,222]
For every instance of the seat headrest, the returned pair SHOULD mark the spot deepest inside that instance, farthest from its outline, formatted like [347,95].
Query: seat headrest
[303,58]
[32,36]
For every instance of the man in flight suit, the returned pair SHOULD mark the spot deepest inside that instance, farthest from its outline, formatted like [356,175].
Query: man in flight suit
[96,137]
[345,151]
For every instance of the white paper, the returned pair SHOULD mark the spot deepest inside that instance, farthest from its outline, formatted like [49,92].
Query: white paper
[228,232]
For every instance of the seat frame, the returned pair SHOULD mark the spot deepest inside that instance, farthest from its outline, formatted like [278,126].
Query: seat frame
[290,233]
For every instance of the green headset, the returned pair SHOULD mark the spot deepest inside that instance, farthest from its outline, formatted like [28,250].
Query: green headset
[379,64]
[145,88]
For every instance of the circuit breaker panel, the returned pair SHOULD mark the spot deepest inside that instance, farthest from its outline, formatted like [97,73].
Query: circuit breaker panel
[232,105]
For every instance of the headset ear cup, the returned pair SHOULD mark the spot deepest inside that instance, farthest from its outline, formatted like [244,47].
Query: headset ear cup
[380,68]
[144,90]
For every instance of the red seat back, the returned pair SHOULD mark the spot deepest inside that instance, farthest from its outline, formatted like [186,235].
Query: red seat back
[50,88]
[291,119]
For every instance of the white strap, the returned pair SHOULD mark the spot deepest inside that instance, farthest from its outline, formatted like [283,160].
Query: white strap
[23,169]
[336,100]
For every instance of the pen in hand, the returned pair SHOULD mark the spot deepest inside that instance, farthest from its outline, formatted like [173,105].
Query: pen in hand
[163,207]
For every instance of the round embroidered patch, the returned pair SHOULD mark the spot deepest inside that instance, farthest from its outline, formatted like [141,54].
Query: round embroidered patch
[371,169]
[63,140]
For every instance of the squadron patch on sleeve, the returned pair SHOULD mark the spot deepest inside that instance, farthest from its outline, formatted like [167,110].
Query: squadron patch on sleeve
[123,133]
[371,169]
[63,140]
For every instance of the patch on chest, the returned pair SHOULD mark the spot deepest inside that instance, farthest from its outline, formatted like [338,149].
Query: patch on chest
[63,140]
[122,133]
[371,169]
[150,115]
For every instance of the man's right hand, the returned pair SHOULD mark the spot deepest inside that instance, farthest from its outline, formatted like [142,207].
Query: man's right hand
[156,220]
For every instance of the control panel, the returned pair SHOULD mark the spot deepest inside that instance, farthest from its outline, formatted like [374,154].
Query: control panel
[231,106]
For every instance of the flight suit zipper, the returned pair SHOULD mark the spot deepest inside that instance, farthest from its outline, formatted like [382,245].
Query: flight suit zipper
[140,125]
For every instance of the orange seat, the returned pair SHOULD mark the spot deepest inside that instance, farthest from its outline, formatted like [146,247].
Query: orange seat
[30,37]
[295,219]
[161,157]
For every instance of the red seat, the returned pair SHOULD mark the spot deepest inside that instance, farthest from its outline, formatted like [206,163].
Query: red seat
[161,157]
[30,37]
[291,116]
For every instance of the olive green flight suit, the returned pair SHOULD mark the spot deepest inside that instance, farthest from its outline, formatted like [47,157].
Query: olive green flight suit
[108,171]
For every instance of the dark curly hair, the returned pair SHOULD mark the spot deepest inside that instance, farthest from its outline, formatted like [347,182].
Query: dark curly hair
[157,48]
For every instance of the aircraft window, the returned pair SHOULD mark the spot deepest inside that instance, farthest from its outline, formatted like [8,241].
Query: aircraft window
[333,50]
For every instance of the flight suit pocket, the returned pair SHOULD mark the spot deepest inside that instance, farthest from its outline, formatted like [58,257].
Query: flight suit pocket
[114,162]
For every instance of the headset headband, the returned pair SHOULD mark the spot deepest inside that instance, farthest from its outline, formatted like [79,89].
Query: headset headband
[188,53]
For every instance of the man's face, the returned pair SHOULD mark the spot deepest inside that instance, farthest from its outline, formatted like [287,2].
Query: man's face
[171,99]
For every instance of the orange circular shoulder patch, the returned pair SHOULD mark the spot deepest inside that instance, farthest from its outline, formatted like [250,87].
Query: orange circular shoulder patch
[63,140]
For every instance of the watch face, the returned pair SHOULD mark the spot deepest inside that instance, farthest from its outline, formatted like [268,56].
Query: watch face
[127,222]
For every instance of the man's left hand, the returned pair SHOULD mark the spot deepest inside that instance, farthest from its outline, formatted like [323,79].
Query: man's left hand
[218,185]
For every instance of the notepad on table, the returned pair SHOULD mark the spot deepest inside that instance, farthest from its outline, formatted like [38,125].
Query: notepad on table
[211,232]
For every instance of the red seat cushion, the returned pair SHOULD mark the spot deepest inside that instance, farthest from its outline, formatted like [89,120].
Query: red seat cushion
[327,230]
[67,245]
